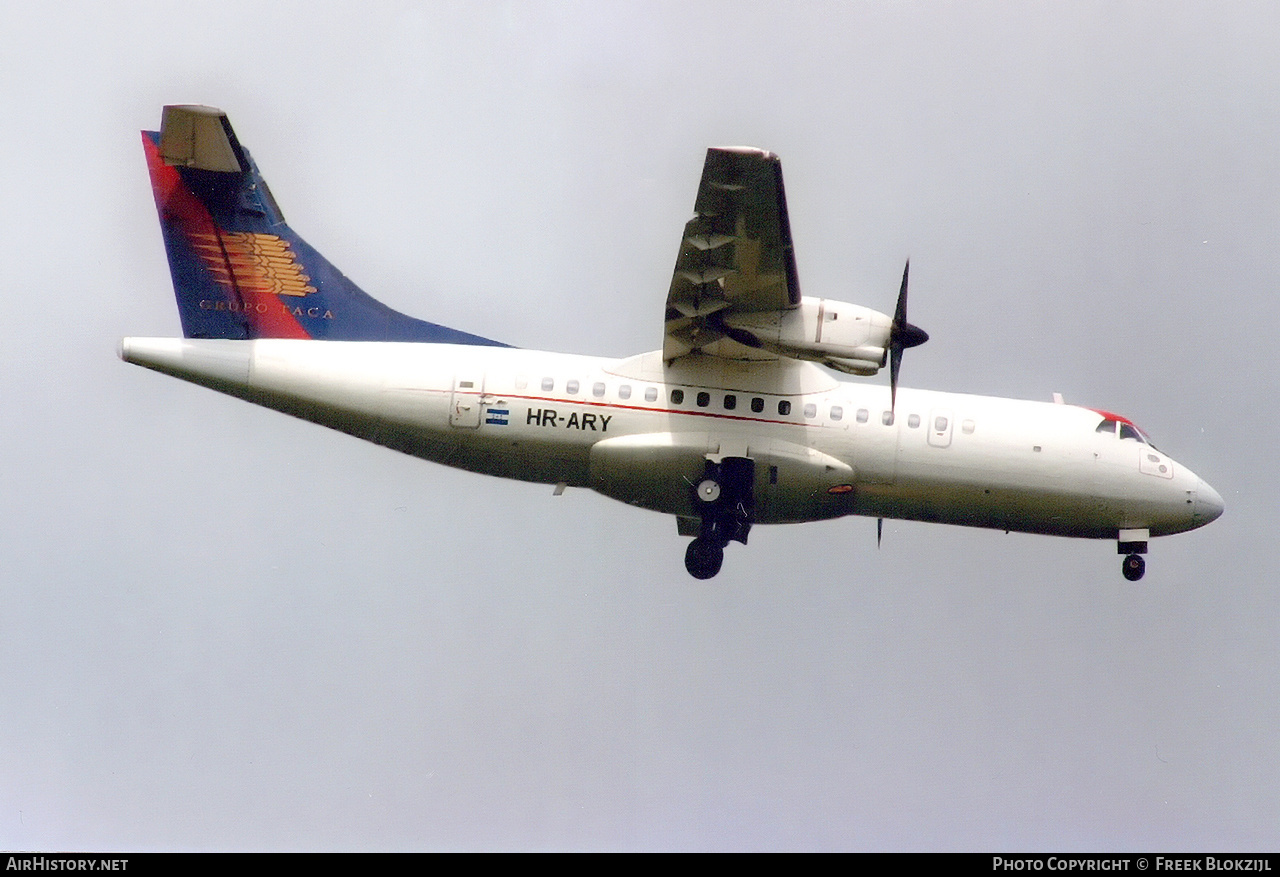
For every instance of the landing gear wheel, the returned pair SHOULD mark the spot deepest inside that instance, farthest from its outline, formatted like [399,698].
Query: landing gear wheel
[703,558]
[708,491]
[1133,567]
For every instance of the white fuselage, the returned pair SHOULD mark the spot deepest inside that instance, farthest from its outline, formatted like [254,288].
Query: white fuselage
[641,431]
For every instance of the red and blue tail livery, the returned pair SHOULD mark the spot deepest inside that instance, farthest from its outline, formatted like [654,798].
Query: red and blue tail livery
[239,271]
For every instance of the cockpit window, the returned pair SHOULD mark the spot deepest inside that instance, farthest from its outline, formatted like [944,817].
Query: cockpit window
[1126,430]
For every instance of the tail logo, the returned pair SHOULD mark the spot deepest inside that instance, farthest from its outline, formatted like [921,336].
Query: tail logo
[252,263]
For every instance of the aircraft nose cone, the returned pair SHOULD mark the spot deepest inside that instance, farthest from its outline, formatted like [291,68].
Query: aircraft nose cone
[1208,504]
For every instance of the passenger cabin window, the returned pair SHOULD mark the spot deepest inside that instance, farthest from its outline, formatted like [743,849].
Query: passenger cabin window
[521,382]
[837,413]
[571,387]
[548,384]
[597,389]
[913,420]
[624,392]
[757,404]
[887,418]
[939,424]
[967,426]
[863,415]
[810,410]
[784,407]
[651,394]
[677,397]
[730,402]
[704,399]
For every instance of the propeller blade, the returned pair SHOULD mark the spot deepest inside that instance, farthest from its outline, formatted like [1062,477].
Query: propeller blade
[901,336]
[879,531]
[895,363]
[900,312]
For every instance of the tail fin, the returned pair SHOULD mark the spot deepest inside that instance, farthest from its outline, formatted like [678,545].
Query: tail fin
[238,270]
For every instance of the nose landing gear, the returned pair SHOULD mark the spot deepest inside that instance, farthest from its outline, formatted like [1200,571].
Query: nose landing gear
[1133,544]
[725,500]
[1133,567]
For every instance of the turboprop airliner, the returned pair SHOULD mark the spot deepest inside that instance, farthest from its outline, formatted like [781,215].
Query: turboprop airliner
[737,419]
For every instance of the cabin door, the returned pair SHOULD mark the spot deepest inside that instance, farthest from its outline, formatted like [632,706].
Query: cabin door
[465,403]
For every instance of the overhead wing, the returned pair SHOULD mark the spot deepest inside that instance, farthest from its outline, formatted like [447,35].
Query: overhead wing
[736,257]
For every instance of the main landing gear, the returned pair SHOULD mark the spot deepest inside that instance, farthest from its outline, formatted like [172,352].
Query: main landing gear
[703,558]
[1132,544]
[725,500]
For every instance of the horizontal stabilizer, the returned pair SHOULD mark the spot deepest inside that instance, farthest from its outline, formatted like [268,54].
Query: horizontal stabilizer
[199,137]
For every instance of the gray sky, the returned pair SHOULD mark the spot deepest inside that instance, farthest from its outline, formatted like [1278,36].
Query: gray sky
[226,629]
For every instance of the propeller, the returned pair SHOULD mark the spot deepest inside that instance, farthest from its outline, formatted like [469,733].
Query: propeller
[901,336]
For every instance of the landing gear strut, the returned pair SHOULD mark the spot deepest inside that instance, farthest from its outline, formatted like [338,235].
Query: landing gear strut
[725,500]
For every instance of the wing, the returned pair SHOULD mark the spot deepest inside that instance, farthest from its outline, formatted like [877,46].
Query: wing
[736,257]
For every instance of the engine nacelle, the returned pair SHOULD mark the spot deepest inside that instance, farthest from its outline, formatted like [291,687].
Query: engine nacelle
[839,335]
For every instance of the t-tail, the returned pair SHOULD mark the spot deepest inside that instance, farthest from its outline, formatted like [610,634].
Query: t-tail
[239,271]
